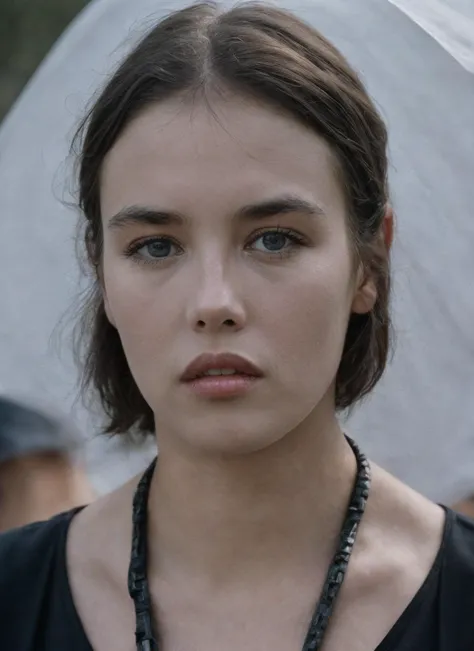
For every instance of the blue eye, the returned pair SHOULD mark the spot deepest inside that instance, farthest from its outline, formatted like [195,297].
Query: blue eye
[155,249]
[273,241]
[276,241]
[161,248]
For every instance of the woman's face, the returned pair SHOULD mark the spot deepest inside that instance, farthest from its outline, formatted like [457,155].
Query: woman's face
[225,232]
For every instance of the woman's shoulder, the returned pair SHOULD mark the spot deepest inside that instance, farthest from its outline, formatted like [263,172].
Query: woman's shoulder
[458,557]
[456,586]
[32,562]
[27,557]
[28,543]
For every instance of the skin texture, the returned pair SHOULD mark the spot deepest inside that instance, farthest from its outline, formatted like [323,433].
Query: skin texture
[250,493]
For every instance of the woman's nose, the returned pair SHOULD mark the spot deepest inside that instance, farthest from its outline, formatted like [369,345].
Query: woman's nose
[216,306]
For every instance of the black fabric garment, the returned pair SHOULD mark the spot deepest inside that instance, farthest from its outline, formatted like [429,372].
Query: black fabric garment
[37,612]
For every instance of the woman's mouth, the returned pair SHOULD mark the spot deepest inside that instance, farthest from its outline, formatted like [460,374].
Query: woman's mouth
[223,375]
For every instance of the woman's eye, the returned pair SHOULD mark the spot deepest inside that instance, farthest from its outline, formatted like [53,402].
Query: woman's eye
[274,242]
[158,248]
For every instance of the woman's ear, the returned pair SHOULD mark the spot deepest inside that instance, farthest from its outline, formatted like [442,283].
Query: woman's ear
[365,295]
[366,290]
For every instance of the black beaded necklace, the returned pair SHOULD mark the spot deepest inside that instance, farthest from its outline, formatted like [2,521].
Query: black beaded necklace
[137,576]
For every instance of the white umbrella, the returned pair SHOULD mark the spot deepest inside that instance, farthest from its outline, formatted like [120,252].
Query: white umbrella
[420,421]
[450,22]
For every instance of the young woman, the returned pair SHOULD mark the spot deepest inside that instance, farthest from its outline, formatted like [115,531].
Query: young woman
[233,182]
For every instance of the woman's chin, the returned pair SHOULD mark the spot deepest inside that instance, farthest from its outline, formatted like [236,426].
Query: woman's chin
[228,440]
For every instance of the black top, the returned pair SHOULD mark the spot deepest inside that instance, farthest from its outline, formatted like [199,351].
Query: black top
[37,612]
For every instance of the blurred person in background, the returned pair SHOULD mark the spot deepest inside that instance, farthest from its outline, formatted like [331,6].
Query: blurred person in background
[39,475]
[465,506]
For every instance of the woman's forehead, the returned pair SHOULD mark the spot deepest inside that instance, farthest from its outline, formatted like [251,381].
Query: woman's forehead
[210,124]
[256,153]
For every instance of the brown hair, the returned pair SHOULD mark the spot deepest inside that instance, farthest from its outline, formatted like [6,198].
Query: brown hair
[266,53]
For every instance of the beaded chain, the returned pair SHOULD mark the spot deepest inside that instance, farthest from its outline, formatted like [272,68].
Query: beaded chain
[137,576]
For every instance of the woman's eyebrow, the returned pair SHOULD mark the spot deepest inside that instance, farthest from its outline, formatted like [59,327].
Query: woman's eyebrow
[279,206]
[133,215]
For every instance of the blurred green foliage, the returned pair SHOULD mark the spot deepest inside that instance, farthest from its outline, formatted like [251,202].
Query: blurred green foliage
[28,29]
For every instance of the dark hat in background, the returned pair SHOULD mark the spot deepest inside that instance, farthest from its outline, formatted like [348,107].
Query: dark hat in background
[26,430]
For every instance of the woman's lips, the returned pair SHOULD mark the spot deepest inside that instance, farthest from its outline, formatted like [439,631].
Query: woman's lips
[222,386]
[222,375]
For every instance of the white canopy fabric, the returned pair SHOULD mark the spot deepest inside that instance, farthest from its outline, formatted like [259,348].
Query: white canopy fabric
[450,22]
[420,421]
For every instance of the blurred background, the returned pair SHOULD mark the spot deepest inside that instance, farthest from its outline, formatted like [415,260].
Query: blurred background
[27,32]
[418,59]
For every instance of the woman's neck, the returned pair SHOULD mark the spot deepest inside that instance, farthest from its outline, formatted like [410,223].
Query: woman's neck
[237,519]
